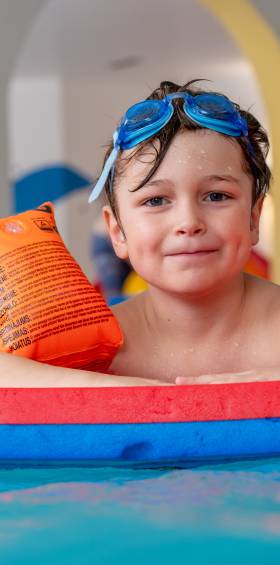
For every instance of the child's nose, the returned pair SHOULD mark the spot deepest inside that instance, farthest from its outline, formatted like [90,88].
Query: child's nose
[189,221]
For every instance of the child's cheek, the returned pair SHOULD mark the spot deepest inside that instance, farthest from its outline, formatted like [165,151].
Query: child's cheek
[145,234]
[240,237]
[144,241]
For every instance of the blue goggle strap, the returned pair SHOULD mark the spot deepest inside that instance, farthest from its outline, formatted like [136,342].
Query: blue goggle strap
[97,189]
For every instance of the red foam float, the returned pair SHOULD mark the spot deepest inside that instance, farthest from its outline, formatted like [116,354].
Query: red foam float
[125,405]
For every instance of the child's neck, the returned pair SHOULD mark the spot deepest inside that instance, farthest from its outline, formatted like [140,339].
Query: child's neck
[217,314]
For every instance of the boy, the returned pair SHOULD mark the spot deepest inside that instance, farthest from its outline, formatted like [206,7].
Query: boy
[185,178]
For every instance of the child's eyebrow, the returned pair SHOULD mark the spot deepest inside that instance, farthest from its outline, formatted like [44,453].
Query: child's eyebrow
[157,182]
[212,178]
[225,177]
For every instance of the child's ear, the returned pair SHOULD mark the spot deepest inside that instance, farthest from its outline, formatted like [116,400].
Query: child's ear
[116,233]
[255,220]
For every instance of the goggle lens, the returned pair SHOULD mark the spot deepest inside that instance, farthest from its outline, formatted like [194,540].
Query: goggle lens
[142,114]
[216,106]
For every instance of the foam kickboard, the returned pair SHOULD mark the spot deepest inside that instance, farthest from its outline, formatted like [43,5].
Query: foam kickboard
[127,405]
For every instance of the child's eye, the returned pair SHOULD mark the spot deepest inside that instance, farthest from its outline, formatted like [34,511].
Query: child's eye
[217,196]
[155,201]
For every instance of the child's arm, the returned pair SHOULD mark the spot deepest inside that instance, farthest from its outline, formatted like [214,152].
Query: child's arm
[18,372]
[266,374]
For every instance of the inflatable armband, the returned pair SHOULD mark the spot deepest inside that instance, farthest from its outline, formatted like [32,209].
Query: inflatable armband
[49,311]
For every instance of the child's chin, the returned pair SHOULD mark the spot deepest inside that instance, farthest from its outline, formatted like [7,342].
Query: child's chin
[192,288]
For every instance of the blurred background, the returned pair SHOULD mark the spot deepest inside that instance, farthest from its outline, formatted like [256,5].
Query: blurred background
[69,69]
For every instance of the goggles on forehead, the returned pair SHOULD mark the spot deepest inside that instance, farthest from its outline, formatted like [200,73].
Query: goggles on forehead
[144,119]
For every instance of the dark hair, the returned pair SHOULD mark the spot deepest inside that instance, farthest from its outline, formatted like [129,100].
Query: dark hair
[254,164]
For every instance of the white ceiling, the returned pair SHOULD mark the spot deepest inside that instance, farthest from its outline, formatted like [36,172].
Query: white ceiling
[73,38]
[134,44]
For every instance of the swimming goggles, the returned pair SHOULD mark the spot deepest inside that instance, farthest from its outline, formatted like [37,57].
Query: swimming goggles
[144,119]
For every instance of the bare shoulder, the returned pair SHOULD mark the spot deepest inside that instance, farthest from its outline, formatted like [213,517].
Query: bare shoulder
[131,317]
[128,313]
[264,297]
[131,320]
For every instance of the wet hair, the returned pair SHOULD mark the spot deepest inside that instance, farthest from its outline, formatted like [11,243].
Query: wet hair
[253,164]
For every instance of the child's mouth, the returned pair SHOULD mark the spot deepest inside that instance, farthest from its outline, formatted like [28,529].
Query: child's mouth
[199,252]
[193,256]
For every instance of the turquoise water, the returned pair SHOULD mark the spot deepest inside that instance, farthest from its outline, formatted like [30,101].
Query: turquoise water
[221,514]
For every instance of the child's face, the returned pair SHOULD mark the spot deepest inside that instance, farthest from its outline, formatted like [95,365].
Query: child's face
[191,227]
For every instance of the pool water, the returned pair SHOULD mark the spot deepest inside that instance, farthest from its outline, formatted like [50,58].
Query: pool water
[222,514]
